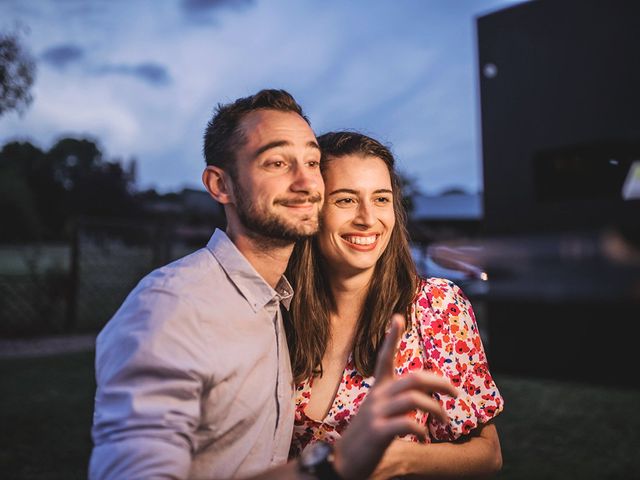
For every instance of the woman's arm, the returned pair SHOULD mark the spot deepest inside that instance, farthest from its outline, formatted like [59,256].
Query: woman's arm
[446,325]
[477,455]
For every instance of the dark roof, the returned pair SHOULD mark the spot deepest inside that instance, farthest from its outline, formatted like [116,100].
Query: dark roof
[457,206]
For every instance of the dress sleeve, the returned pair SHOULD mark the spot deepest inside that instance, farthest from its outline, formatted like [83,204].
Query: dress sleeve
[453,348]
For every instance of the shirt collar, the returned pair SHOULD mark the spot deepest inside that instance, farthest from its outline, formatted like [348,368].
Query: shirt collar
[250,283]
[284,291]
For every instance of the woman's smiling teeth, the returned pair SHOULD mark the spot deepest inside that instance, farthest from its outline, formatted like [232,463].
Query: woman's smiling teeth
[360,240]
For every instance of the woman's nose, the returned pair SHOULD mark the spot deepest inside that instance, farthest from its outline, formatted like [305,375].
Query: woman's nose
[365,215]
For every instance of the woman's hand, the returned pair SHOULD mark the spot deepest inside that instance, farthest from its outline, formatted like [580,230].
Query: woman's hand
[393,463]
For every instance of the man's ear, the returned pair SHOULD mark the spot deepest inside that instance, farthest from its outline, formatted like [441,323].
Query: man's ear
[218,184]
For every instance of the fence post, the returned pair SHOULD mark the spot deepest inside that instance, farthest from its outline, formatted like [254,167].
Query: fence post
[74,278]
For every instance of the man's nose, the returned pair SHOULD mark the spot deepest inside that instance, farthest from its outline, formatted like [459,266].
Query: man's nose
[307,179]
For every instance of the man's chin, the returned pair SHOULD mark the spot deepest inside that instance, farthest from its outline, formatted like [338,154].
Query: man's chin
[295,229]
[283,233]
[307,226]
[299,232]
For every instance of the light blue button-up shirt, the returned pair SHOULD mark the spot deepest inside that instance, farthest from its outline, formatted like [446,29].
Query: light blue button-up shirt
[193,373]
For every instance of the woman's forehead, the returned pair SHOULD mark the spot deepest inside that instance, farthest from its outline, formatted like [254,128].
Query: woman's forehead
[350,171]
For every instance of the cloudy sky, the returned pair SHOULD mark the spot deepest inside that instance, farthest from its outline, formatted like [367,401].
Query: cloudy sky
[143,77]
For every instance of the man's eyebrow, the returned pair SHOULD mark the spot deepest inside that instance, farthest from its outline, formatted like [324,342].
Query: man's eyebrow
[283,143]
[313,144]
[355,192]
[270,145]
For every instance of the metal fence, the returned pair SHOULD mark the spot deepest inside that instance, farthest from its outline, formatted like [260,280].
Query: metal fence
[78,286]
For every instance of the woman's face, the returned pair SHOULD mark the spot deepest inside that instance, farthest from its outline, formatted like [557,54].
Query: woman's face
[358,215]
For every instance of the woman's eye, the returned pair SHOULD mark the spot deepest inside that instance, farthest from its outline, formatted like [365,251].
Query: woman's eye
[383,200]
[345,201]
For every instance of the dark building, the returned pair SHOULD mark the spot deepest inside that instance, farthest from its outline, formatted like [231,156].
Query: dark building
[561,154]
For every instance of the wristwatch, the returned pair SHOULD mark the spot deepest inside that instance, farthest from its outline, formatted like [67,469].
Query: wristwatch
[317,460]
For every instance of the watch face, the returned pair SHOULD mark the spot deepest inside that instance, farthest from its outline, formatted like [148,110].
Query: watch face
[316,454]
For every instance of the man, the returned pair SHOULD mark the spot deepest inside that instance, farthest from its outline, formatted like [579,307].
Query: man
[193,370]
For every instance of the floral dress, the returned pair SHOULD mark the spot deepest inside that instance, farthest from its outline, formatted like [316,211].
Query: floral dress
[444,339]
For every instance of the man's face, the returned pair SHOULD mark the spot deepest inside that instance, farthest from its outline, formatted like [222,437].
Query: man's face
[277,187]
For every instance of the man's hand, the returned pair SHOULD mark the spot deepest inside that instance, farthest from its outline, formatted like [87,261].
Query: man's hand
[383,414]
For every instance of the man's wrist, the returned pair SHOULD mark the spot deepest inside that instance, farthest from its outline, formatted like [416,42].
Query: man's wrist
[339,463]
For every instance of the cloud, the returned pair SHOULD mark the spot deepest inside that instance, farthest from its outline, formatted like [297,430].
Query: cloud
[201,6]
[152,73]
[200,11]
[61,56]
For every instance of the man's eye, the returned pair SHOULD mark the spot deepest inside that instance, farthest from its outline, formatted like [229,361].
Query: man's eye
[314,163]
[275,164]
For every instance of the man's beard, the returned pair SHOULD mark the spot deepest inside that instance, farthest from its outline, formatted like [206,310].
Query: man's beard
[267,225]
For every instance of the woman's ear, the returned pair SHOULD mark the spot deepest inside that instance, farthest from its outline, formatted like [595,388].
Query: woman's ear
[218,184]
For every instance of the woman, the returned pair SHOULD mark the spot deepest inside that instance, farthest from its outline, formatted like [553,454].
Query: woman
[349,280]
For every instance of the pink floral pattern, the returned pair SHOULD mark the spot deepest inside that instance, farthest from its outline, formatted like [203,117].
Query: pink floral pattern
[443,339]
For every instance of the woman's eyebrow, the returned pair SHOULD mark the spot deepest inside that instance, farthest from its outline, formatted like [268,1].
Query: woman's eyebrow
[355,192]
[344,190]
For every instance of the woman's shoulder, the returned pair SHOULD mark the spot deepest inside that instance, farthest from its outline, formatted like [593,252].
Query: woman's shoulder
[438,287]
[439,297]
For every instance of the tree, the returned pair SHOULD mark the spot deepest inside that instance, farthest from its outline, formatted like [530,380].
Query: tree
[94,186]
[410,191]
[29,184]
[17,208]
[41,192]
[17,72]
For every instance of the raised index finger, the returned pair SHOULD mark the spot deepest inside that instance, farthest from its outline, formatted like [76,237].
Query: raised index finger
[384,362]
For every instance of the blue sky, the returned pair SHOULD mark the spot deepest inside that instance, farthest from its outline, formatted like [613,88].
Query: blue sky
[143,77]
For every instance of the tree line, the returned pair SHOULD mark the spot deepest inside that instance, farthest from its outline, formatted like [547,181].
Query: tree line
[42,191]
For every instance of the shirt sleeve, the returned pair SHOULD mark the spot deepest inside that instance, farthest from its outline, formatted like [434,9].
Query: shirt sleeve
[453,348]
[149,375]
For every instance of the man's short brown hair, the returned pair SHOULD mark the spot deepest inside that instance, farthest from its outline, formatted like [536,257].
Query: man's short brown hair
[224,136]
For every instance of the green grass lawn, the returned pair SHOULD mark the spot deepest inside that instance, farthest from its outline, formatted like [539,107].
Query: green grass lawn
[552,429]
[46,407]
[23,259]
[548,430]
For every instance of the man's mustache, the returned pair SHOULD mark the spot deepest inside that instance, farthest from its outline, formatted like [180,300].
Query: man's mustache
[317,198]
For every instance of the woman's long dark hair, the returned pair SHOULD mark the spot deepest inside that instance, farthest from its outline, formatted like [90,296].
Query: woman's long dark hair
[391,290]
